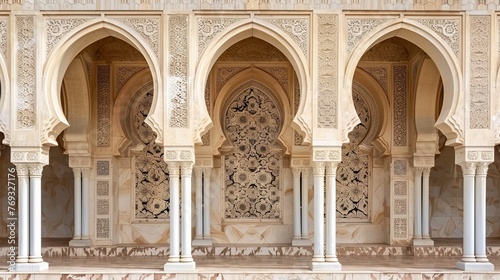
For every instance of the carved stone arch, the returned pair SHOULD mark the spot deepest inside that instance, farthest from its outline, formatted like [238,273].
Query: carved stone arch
[302,121]
[378,102]
[72,44]
[134,88]
[450,121]
[77,96]
[270,86]
[427,90]
[5,102]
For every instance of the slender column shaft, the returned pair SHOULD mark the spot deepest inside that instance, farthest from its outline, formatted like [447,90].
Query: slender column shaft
[468,216]
[198,174]
[78,203]
[305,203]
[85,203]
[173,169]
[480,219]
[296,203]
[23,213]
[331,209]
[319,212]
[418,203]
[206,202]
[186,171]
[425,202]
[36,213]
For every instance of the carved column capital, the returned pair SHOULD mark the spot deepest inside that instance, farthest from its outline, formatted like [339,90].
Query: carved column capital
[36,170]
[296,171]
[86,172]
[318,168]
[198,171]
[186,168]
[331,168]
[77,172]
[482,168]
[468,168]
[22,170]
[173,168]
[417,171]
[426,171]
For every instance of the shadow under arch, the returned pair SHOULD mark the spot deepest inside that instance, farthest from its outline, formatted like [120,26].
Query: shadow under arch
[302,121]
[63,53]
[449,123]
[5,101]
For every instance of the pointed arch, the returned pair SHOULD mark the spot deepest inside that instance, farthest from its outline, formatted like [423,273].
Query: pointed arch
[64,52]
[5,106]
[449,122]
[269,33]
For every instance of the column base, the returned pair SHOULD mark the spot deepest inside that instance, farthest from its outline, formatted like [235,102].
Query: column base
[301,242]
[326,266]
[475,266]
[422,242]
[202,242]
[179,266]
[31,267]
[80,243]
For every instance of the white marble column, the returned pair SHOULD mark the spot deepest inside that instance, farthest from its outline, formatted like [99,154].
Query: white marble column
[331,217]
[206,206]
[86,241]
[417,230]
[35,213]
[425,206]
[77,235]
[468,170]
[198,175]
[305,207]
[297,234]
[186,173]
[23,213]
[319,212]
[173,171]
[480,211]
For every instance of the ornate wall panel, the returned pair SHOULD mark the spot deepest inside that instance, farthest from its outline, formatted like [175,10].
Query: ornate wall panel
[124,73]
[103,199]
[252,49]
[178,70]
[103,105]
[297,28]
[26,72]
[208,28]
[327,71]
[152,196]
[205,139]
[448,29]
[298,139]
[400,105]
[479,72]
[148,28]
[380,74]
[224,73]
[357,28]
[3,36]
[280,73]
[56,29]
[253,190]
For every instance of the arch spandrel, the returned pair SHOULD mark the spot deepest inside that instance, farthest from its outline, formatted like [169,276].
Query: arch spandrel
[451,119]
[263,30]
[67,48]
[5,102]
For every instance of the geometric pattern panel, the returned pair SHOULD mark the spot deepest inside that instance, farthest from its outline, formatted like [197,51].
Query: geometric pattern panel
[152,196]
[252,124]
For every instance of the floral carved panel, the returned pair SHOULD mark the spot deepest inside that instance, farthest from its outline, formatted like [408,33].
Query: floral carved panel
[26,74]
[252,123]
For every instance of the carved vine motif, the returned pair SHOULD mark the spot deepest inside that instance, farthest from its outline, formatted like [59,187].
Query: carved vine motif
[353,171]
[208,28]
[327,71]
[400,228]
[298,139]
[379,73]
[123,74]
[103,105]
[152,196]
[479,72]
[26,74]
[57,28]
[178,68]
[252,123]
[357,28]
[280,74]
[400,104]
[147,27]
[3,37]
[224,74]
[448,29]
[297,28]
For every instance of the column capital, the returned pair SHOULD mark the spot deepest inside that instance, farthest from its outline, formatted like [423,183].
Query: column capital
[207,171]
[296,171]
[482,168]
[417,171]
[36,169]
[319,168]
[331,168]
[22,169]
[426,171]
[186,168]
[468,168]
[198,171]
[77,172]
[173,168]
[85,172]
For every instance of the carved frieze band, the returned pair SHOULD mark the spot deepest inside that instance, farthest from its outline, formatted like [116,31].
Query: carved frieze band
[327,154]
[357,28]
[178,155]
[208,28]
[3,37]
[26,72]
[79,161]
[297,28]
[56,29]
[474,155]
[479,72]
[327,71]
[30,156]
[147,27]
[400,105]
[103,106]
[448,29]
[178,70]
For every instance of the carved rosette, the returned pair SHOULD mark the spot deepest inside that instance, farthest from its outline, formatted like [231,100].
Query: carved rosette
[479,72]
[327,71]
[296,28]
[208,28]
[178,70]
[56,29]
[26,72]
[148,28]
[357,28]
[448,29]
